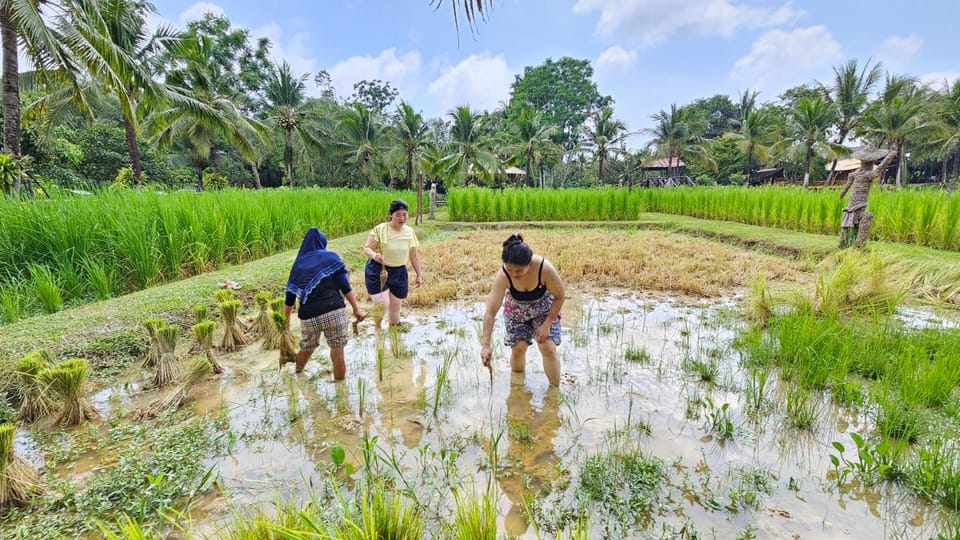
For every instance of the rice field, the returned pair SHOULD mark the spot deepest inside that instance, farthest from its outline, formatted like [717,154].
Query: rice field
[696,400]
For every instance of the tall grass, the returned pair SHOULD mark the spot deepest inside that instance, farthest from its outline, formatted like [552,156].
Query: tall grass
[95,247]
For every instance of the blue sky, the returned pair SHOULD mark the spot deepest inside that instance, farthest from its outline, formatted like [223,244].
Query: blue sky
[647,54]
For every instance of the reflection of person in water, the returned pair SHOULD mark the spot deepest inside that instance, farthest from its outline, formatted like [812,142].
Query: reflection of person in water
[530,450]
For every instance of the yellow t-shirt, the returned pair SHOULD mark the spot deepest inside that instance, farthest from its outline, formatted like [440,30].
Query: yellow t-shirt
[395,245]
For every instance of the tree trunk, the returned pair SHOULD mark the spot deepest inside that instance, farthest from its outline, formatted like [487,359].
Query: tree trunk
[600,170]
[806,166]
[133,149]
[256,176]
[900,163]
[540,166]
[288,155]
[11,89]
[214,162]
[410,171]
[841,136]
[749,159]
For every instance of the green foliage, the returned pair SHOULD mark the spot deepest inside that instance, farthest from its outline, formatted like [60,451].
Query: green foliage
[213,180]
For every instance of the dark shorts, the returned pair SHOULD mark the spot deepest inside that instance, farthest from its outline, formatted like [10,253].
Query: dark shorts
[397,279]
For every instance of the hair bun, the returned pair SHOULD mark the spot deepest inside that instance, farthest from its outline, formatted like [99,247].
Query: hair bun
[513,240]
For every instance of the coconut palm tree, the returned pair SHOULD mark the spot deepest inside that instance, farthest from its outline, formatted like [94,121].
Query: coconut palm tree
[362,137]
[948,127]
[850,94]
[603,137]
[897,117]
[757,132]
[679,134]
[806,131]
[412,136]
[470,152]
[531,139]
[287,111]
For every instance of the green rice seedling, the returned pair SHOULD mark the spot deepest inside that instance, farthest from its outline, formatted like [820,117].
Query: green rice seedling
[271,338]
[361,398]
[232,333]
[12,302]
[153,327]
[263,322]
[224,295]
[167,363]
[637,354]
[196,371]
[19,481]
[66,380]
[381,355]
[442,381]
[35,400]
[897,420]
[474,517]
[285,342]
[397,348]
[46,287]
[203,332]
[801,409]
[127,528]
[705,370]
[756,392]
[102,278]
[934,472]
[759,304]
[379,512]
[200,312]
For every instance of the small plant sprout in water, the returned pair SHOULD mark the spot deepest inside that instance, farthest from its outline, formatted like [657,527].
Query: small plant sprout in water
[475,516]
[66,379]
[801,408]
[361,396]
[759,304]
[35,400]
[638,354]
[19,480]
[443,375]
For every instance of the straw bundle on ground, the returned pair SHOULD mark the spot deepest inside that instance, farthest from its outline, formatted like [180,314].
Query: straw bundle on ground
[286,343]
[153,354]
[261,324]
[196,371]
[66,379]
[232,332]
[19,481]
[203,332]
[167,365]
[271,339]
[35,400]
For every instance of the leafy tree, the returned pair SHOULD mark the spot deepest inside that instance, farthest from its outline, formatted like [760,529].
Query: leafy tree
[375,95]
[324,82]
[412,136]
[806,131]
[948,127]
[529,137]
[678,134]
[563,91]
[362,137]
[603,136]
[288,111]
[897,117]
[470,151]
[850,91]
[717,113]
[756,134]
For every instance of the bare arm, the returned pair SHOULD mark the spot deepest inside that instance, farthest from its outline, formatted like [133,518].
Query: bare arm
[415,261]
[353,304]
[286,315]
[494,301]
[371,247]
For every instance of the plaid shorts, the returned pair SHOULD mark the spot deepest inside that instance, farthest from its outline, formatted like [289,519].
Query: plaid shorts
[335,326]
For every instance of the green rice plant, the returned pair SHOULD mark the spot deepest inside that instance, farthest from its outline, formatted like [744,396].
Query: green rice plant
[801,409]
[285,342]
[756,391]
[381,352]
[167,363]
[759,303]
[948,224]
[705,370]
[19,481]
[378,512]
[12,302]
[361,397]
[442,381]
[934,471]
[232,337]
[66,380]
[200,312]
[35,399]
[225,295]
[263,321]
[203,332]
[475,516]
[637,354]
[46,287]
[126,528]
[196,371]
[153,327]
[102,278]
[897,420]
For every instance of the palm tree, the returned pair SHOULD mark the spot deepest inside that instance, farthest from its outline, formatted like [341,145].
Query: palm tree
[362,137]
[286,105]
[23,21]
[679,134]
[806,131]
[897,117]
[603,137]
[412,135]
[948,127]
[469,153]
[757,132]
[528,137]
[111,39]
[850,95]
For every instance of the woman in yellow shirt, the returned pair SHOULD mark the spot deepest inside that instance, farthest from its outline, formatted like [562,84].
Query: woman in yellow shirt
[391,245]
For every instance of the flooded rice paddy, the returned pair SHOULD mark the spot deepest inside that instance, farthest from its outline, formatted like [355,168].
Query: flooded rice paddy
[642,376]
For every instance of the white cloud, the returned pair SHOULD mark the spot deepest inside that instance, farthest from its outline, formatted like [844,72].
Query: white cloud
[197,11]
[480,80]
[938,79]
[617,58]
[649,22]
[295,50]
[896,51]
[400,71]
[779,58]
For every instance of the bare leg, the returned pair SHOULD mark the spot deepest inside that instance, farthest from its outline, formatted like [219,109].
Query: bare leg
[339,363]
[393,310]
[518,357]
[866,220]
[379,299]
[551,364]
[302,358]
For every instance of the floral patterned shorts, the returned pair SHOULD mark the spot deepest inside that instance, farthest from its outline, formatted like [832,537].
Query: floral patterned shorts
[523,318]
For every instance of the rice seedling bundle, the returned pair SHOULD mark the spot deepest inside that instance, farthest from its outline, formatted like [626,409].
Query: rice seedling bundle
[66,379]
[19,481]
[285,341]
[224,295]
[196,371]
[167,365]
[200,313]
[262,323]
[203,332]
[271,337]
[153,327]
[232,332]
[35,401]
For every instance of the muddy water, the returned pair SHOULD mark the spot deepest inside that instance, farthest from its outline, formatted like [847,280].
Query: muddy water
[284,425]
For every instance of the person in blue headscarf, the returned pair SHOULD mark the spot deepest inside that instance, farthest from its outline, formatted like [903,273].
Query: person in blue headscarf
[320,282]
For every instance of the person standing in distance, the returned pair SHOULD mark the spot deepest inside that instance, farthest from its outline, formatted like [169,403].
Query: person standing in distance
[390,246]
[532,293]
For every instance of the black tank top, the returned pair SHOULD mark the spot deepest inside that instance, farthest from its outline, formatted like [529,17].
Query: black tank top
[528,296]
